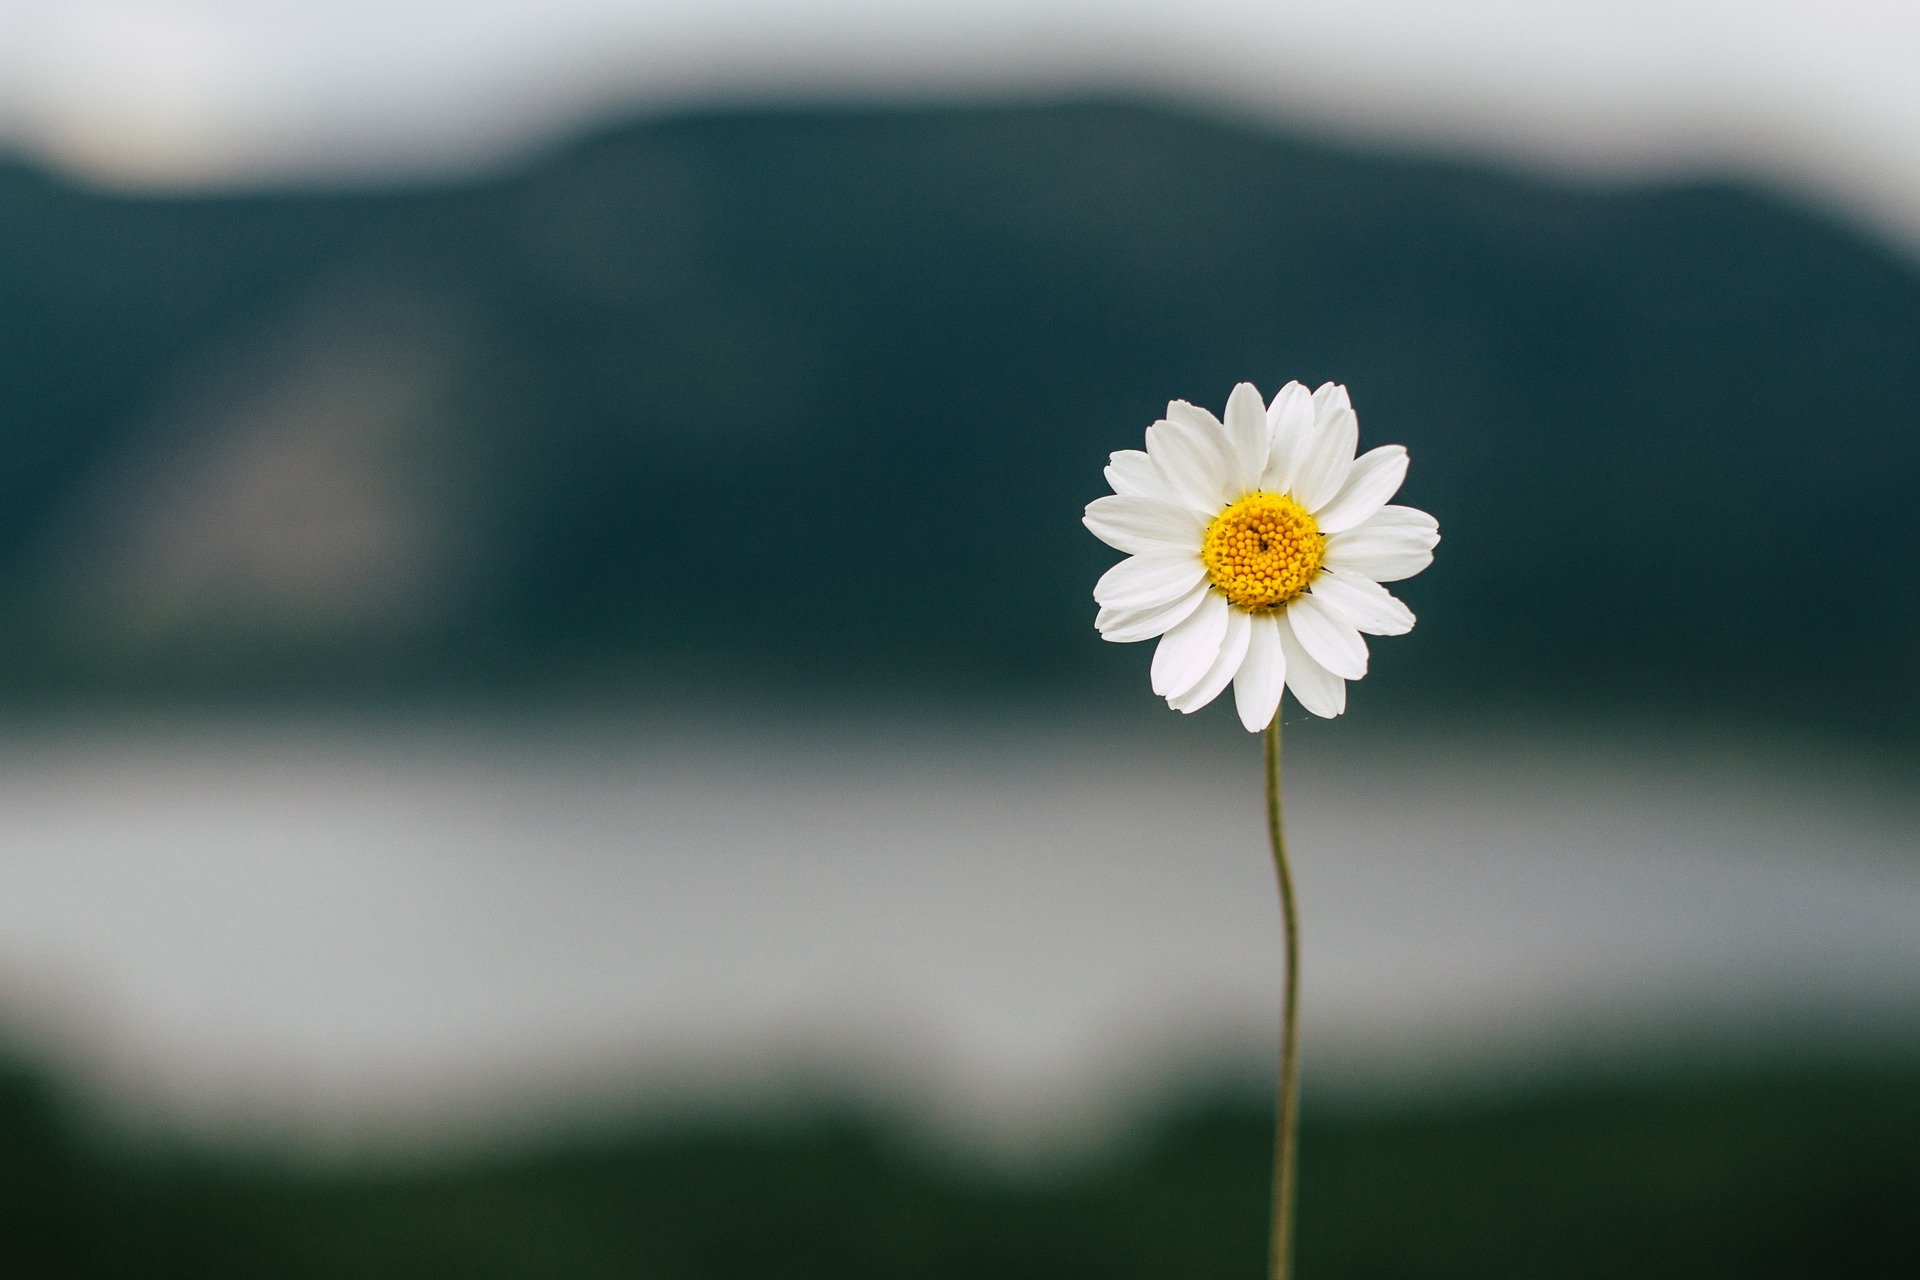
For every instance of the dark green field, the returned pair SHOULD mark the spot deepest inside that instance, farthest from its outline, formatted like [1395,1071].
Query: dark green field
[1770,1173]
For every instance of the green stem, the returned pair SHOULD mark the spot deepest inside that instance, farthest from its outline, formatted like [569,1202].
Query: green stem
[1287,1117]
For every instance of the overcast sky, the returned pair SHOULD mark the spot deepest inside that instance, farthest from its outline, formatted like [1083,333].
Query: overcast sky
[1824,98]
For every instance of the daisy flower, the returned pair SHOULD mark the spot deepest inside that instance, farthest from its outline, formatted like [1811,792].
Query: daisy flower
[1256,547]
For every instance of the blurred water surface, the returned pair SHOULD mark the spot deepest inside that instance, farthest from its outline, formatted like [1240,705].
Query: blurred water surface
[402,934]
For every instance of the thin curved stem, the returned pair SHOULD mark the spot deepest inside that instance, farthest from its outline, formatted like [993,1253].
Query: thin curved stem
[1287,1114]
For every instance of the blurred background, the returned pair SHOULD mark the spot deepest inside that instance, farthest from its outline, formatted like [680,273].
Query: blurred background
[551,718]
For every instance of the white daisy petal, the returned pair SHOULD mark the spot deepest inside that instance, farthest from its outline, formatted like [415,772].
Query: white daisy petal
[1131,472]
[1379,559]
[1193,458]
[1325,460]
[1328,399]
[1246,434]
[1263,674]
[1289,421]
[1188,650]
[1233,650]
[1149,581]
[1376,476]
[1403,518]
[1370,607]
[1129,626]
[1193,415]
[1385,551]
[1143,525]
[1324,633]
[1319,690]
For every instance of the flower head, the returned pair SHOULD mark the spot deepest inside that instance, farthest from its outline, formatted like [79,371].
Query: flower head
[1256,547]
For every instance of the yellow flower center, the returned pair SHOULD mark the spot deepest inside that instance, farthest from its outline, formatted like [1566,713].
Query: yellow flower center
[1263,550]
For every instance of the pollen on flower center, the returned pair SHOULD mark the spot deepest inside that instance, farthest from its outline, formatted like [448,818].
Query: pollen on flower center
[1263,550]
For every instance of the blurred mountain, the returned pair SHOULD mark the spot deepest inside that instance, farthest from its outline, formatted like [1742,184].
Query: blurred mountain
[818,395]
